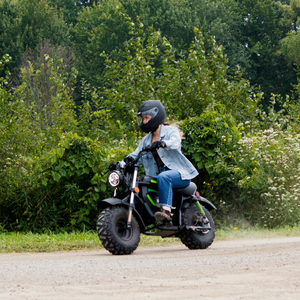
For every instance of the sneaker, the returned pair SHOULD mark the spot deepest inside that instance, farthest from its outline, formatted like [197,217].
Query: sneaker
[162,215]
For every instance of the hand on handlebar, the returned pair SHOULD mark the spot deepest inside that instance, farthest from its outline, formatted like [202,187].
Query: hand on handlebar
[128,159]
[129,163]
[113,166]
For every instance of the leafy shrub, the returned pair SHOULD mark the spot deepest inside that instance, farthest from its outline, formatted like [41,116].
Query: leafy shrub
[74,171]
[267,173]
[210,141]
[33,115]
[62,189]
[254,177]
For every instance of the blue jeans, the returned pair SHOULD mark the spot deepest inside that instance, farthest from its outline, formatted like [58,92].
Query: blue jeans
[166,181]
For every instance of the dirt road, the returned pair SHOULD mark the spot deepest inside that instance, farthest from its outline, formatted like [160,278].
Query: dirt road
[248,269]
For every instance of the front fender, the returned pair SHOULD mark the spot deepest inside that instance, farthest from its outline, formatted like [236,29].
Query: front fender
[111,202]
[122,202]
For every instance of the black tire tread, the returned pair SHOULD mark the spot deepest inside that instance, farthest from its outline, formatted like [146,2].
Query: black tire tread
[193,240]
[107,233]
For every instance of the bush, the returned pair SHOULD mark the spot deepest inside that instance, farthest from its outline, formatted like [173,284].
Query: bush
[63,187]
[255,177]
[210,143]
[267,173]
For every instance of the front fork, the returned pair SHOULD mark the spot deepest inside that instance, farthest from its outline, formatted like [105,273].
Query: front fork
[131,201]
[200,208]
[203,219]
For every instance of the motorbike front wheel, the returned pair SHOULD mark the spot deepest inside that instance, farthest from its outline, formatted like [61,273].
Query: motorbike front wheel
[194,240]
[113,232]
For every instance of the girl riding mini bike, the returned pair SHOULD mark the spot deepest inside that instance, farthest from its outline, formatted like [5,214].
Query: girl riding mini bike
[164,202]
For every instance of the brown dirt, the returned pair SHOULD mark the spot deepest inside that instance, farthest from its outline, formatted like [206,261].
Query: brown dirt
[245,269]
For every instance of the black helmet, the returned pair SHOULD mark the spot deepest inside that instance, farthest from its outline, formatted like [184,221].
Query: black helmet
[156,110]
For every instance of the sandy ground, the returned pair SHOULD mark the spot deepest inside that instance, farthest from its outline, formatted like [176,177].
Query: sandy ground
[247,269]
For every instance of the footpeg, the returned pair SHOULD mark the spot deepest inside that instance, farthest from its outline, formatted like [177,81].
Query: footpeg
[198,228]
[168,223]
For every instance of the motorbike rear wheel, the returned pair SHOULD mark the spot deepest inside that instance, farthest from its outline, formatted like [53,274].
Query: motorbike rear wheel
[113,232]
[193,240]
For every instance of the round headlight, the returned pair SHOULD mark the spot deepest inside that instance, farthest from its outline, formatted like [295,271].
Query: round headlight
[114,179]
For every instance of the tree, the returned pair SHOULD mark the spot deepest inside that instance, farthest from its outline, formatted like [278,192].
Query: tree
[24,24]
[262,31]
[10,41]
[290,44]
[71,8]
[176,20]
[39,21]
[100,28]
[186,86]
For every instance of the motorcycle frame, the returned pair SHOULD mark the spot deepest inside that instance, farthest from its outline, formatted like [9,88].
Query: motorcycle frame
[129,202]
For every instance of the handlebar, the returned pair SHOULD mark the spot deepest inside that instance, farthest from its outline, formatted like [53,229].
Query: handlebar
[121,164]
[145,149]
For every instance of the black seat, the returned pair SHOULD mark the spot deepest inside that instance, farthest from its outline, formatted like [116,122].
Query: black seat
[188,190]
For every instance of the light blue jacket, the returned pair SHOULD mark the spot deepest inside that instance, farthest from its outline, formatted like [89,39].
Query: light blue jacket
[171,155]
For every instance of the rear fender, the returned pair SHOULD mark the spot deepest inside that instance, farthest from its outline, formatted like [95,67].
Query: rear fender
[121,202]
[204,202]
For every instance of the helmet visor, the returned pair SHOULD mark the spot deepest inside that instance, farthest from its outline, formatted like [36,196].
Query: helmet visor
[143,119]
[146,116]
[151,112]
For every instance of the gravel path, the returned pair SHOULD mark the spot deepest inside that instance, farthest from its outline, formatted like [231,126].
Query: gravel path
[247,269]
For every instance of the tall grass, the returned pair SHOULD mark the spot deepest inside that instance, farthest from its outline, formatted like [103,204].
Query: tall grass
[30,242]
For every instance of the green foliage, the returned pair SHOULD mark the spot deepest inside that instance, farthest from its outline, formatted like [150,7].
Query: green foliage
[39,21]
[71,8]
[267,173]
[99,121]
[101,28]
[24,24]
[98,29]
[31,123]
[210,143]
[202,79]
[42,190]
[290,43]
[53,154]
[186,86]
[13,119]
[62,188]
[249,32]
[262,32]
[259,37]
[73,174]
[10,40]
[37,111]
[254,177]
